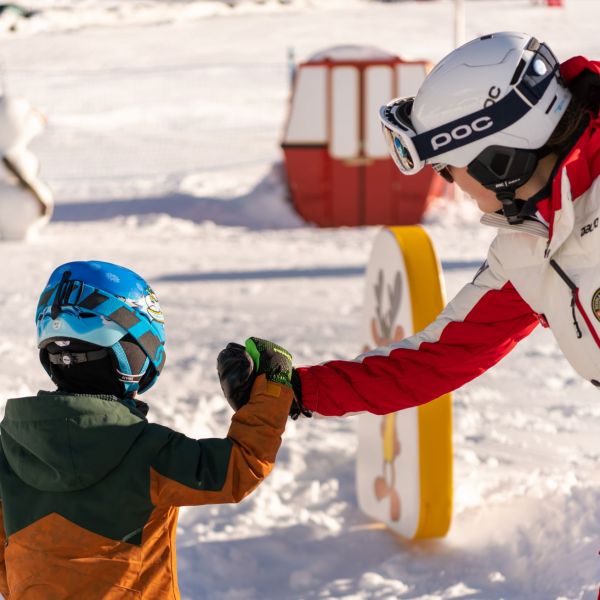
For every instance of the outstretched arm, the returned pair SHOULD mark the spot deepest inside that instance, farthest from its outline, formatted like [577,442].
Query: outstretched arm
[481,325]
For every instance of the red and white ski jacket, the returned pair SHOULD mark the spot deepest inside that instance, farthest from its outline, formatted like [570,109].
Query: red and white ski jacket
[534,273]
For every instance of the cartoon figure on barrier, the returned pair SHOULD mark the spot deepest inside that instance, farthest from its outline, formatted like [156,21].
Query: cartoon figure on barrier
[384,333]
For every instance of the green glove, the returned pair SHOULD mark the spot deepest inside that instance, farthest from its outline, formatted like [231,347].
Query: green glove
[272,360]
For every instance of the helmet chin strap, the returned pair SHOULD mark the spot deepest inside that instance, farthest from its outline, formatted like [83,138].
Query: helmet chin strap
[510,209]
[503,170]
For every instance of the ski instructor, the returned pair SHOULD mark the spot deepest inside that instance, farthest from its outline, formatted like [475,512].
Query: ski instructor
[520,134]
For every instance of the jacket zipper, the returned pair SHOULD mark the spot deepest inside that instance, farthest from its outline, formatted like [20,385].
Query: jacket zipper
[575,302]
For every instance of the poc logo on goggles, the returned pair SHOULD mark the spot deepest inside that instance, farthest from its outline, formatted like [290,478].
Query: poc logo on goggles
[461,132]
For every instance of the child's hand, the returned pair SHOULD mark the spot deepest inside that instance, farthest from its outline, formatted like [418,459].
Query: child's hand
[238,367]
[236,374]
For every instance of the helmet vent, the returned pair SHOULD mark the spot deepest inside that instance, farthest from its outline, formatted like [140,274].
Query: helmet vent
[533,45]
[551,104]
[518,72]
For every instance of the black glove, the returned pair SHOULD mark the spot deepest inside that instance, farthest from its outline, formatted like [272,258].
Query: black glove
[238,367]
[236,374]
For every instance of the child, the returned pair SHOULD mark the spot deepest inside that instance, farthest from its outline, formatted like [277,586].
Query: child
[520,134]
[90,489]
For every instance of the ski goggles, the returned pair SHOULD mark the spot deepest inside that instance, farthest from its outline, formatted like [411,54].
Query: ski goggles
[411,151]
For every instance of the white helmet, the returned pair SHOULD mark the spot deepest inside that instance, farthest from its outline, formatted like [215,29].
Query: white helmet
[477,76]
[489,106]
[501,89]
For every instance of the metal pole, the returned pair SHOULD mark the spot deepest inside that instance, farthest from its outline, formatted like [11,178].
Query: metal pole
[459,23]
[459,40]
[291,61]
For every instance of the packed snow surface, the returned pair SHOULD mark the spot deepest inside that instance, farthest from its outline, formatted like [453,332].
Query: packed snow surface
[163,152]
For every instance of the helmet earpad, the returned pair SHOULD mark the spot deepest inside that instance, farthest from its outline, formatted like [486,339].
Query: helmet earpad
[136,357]
[503,170]
[499,168]
[149,378]
[138,363]
[131,364]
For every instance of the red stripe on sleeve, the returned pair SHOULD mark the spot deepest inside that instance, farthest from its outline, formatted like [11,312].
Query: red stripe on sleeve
[405,377]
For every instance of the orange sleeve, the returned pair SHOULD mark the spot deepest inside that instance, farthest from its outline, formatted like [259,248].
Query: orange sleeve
[215,471]
[3,579]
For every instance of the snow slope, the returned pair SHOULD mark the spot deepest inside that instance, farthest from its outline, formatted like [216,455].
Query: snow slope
[162,150]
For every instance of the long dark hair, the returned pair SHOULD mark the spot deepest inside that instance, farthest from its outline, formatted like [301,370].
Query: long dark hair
[571,123]
[585,103]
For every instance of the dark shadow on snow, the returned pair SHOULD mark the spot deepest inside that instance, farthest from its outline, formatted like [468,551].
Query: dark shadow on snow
[264,207]
[457,265]
[265,274]
[176,204]
[310,273]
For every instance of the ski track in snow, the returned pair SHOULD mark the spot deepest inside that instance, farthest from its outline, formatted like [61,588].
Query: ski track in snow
[162,149]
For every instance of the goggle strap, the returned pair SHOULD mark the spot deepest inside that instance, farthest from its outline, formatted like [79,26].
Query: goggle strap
[502,114]
[72,358]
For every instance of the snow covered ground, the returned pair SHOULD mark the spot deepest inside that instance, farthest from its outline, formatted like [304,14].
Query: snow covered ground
[162,150]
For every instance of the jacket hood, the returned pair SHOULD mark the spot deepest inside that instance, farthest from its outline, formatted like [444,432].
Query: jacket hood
[582,77]
[65,442]
[580,165]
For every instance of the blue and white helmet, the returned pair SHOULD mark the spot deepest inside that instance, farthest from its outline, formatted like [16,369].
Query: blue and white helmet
[104,305]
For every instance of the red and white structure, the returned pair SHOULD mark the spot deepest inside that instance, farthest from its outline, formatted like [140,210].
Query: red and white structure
[338,167]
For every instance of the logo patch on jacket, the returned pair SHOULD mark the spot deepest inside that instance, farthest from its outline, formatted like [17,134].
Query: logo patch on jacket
[596,304]
[590,227]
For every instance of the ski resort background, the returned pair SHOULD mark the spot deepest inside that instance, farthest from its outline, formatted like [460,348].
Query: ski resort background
[162,150]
